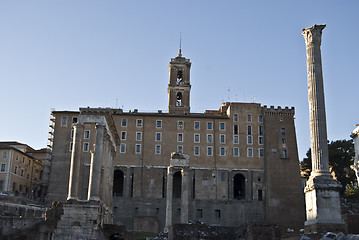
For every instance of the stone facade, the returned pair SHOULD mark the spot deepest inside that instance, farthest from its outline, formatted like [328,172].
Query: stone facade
[235,165]
[21,174]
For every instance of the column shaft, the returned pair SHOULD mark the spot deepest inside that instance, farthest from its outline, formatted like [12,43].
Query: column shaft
[75,163]
[94,184]
[185,195]
[318,128]
[169,196]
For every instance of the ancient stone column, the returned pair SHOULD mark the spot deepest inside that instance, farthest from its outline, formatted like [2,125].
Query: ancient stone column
[322,191]
[75,162]
[95,175]
[185,195]
[169,195]
[318,126]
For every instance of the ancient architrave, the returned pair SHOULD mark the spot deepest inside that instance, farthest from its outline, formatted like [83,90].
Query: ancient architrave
[322,191]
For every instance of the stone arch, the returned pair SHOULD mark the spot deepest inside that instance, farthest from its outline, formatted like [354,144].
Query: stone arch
[118,182]
[239,186]
[177,184]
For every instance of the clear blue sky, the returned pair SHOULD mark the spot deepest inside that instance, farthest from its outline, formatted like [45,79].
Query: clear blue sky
[70,54]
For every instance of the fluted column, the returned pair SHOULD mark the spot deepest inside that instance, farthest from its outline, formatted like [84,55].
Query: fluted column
[95,175]
[318,128]
[75,162]
[169,196]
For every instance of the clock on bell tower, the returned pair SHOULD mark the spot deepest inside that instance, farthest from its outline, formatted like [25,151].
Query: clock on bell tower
[179,86]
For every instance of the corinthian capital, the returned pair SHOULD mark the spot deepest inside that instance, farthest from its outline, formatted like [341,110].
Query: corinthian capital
[313,34]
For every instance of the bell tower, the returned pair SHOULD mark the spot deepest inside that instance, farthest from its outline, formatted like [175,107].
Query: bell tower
[179,86]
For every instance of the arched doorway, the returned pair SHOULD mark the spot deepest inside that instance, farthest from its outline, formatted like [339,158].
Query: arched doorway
[239,186]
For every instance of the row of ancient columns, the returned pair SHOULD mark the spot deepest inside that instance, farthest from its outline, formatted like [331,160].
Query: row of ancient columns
[95,167]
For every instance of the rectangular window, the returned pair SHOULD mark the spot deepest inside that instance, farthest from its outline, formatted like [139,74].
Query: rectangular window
[180,124]
[235,139]
[179,137]
[4,154]
[180,148]
[123,122]
[284,141]
[199,213]
[284,154]
[196,150]
[249,130]
[15,170]
[249,140]
[260,140]
[139,123]
[196,125]
[158,149]
[235,117]
[14,186]
[260,118]
[222,126]
[223,176]
[209,125]
[23,159]
[3,167]
[261,152]
[138,149]
[138,136]
[196,138]
[87,134]
[260,130]
[222,151]
[29,162]
[22,173]
[222,138]
[249,152]
[64,122]
[236,151]
[122,148]
[70,147]
[74,119]
[260,195]
[217,214]
[158,123]
[249,118]
[209,151]
[28,176]
[235,129]
[282,131]
[86,147]
[123,135]
[209,138]
[158,137]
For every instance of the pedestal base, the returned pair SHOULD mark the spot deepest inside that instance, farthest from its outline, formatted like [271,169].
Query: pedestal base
[323,205]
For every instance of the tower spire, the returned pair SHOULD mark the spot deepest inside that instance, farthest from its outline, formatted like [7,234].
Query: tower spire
[180,50]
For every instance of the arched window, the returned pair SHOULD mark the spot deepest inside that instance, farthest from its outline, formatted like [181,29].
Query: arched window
[239,186]
[177,185]
[118,179]
[179,99]
[179,76]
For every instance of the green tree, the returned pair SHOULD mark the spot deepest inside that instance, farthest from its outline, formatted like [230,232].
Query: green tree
[341,157]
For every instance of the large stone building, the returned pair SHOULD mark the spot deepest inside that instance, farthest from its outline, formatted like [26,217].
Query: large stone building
[21,171]
[235,165]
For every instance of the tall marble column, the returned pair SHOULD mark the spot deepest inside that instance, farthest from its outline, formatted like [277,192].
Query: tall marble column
[185,195]
[169,196]
[95,174]
[322,191]
[73,191]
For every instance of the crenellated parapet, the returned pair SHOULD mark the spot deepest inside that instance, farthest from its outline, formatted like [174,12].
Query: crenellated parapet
[278,111]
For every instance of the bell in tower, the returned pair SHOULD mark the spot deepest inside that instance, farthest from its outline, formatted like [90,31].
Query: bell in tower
[179,86]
